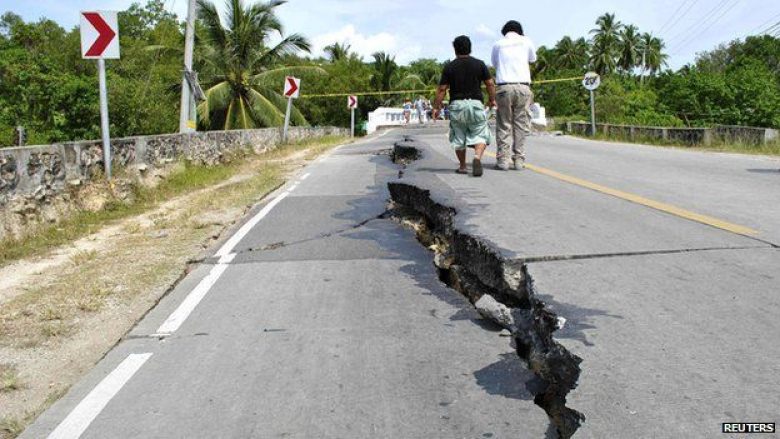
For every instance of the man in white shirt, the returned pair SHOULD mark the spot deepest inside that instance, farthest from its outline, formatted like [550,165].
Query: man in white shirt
[511,57]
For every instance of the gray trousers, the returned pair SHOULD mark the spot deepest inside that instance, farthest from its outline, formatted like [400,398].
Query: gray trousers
[512,121]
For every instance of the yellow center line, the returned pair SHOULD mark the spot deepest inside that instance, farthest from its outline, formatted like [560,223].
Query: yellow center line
[663,207]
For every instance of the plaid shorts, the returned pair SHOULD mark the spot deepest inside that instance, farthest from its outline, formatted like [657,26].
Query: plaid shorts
[468,124]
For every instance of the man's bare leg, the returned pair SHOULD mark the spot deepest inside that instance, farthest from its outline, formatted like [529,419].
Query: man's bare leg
[461,153]
[479,149]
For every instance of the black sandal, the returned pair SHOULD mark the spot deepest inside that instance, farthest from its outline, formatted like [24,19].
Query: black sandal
[477,165]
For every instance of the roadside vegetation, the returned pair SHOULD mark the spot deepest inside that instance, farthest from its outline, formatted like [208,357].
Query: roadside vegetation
[46,87]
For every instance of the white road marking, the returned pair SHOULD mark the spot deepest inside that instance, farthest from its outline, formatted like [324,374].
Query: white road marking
[226,256]
[305,176]
[90,407]
[192,300]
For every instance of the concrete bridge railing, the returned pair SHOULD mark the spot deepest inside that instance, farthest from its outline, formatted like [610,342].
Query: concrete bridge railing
[686,136]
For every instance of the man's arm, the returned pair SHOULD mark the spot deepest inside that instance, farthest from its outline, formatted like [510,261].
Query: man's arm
[491,89]
[440,93]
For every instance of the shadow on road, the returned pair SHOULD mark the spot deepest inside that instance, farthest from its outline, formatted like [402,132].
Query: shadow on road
[579,319]
[765,171]
[508,377]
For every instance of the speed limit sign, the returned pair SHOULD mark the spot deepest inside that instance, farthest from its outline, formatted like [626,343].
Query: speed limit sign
[591,81]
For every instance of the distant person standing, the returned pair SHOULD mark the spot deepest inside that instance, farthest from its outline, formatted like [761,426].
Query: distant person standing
[407,110]
[512,56]
[468,124]
[419,105]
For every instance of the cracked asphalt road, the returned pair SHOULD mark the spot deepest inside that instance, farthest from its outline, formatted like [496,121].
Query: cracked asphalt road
[676,321]
[328,321]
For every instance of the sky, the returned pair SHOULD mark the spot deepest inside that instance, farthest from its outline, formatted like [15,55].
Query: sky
[412,29]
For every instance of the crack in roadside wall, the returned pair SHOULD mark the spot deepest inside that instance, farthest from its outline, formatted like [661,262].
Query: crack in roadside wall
[475,268]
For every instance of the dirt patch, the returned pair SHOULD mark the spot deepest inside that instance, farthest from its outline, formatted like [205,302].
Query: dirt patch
[62,312]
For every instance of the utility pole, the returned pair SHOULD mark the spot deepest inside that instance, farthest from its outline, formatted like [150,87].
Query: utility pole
[188,117]
[644,65]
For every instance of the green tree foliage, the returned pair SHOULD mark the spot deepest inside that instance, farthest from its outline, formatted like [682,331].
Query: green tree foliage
[347,75]
[606,44]
[738,84]
[46,87]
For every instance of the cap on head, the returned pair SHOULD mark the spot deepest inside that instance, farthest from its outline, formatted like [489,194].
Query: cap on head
[512,26]
[462,45]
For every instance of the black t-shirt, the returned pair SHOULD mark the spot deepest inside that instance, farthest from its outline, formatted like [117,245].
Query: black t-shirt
[465,77]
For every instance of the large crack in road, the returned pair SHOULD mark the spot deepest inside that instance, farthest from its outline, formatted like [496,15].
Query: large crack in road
[474,268]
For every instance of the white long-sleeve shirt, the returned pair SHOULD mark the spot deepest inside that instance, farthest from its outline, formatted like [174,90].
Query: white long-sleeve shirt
[511,58]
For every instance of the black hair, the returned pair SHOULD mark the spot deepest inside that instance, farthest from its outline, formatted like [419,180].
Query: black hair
[512,26]
[462,45]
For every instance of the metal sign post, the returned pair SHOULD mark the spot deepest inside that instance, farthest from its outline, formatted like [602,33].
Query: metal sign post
[104,117]
[352,104]
[592,114]
[100,41]
[292,89]
[287,119]
[591,82]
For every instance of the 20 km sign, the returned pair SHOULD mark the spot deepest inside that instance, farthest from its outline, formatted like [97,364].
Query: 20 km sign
[591,81]
[99,35]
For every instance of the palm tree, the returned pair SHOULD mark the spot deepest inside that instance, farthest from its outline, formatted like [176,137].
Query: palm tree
[652,52]
[629,48]
[385,69]
[337,52]
[428,70]
[244,90]
[544,57]
[571,54]
[605,44]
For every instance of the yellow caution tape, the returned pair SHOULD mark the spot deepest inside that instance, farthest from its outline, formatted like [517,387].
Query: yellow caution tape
[424,90]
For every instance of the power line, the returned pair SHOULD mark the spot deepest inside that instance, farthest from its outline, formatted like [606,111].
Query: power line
[703,19]
[672,17]
[760,26]
[675,18]
[774,28]
[701,32]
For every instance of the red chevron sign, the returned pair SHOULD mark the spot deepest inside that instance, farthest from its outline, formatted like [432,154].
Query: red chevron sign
[99,35]
[352,102]
[292,87]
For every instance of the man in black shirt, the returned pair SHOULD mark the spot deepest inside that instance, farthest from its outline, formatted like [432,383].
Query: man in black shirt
[468,122]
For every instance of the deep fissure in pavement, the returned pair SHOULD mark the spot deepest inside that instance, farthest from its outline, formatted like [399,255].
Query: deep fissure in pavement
[500,289]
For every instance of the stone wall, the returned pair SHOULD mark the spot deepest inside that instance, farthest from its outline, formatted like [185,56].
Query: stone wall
[36,182]
[685,136]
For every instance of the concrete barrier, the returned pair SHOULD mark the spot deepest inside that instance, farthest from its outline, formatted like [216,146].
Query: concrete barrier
[34,180]
[389,116]
[685,136]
